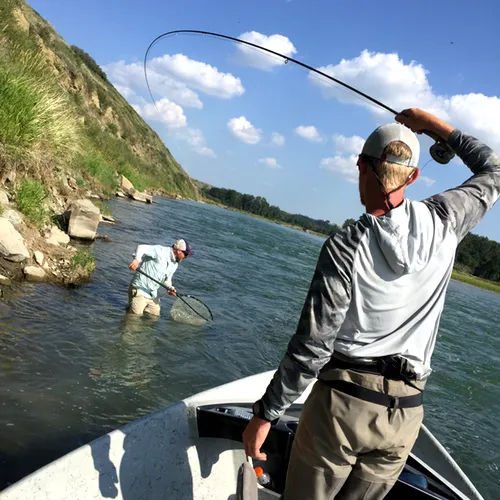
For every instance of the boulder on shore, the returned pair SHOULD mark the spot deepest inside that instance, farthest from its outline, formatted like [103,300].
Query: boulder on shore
[57,237]
[12,245]
[125,184]
[120,194]
[38,257]
[4,280]
[108,218]
[12,216]
[138,196]
[4,199]
[84,219]
[34,273]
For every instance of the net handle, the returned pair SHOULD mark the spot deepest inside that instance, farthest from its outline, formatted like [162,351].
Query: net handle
[177,295]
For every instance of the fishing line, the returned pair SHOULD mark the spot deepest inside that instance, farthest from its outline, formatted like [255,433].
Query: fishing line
[286,59]
[439,151]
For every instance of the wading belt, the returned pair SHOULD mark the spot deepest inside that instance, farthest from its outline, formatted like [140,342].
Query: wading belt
[391,368]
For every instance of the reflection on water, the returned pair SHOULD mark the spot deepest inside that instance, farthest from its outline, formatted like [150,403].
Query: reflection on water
[74,365]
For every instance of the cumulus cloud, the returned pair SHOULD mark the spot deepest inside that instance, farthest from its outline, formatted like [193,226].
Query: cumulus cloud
[260,59]
[129,80]
[198,75]
[352,145]
[270,162]
[343,165]
[309,132]
[426,180]
[277,139]
[168,112]
[195,138]
[243,130]
[389,79]
[176,77]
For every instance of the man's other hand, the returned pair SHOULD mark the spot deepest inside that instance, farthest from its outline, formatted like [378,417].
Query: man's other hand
[420,121]
[134,265]
[254,436]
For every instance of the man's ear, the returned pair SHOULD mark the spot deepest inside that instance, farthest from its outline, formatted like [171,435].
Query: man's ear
[362,165]
[413,177]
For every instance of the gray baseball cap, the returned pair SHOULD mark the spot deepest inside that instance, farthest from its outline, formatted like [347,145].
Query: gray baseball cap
[382,136]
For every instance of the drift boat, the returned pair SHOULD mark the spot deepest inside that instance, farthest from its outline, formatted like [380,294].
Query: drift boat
[192,450]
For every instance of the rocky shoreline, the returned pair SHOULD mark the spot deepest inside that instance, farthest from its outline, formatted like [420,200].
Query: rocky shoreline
[58,252]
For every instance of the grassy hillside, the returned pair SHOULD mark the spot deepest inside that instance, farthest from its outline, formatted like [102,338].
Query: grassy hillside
[59,112]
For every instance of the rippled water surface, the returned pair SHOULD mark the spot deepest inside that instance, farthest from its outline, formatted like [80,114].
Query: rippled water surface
[73,366]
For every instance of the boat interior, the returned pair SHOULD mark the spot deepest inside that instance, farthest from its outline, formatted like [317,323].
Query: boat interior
[228,421]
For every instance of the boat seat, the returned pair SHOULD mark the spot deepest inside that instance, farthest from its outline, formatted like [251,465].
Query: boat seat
[246,488]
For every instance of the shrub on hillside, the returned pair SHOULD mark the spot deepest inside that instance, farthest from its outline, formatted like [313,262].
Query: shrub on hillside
[89,61]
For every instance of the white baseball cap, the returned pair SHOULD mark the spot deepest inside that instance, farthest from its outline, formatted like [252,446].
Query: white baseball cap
[183,246]
[382,136]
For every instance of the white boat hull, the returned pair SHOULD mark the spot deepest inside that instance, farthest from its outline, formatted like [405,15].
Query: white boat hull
[161,457]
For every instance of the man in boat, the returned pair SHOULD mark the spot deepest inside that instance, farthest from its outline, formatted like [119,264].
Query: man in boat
[370,319]
[160,263]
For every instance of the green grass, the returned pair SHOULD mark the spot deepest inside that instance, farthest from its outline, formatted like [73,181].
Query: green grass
[81,183]
[83,260]
[97,166]
[103,207]
[43,97]
[34,113]
[30,198]
[469,279]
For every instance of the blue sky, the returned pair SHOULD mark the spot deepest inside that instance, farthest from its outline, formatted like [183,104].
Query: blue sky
[221,109]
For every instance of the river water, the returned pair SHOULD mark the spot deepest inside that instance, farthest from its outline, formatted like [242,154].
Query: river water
[73,367]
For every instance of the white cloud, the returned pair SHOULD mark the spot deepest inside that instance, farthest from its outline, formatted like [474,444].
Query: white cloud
[277,139]
[175,77]
[343,165]
[125,91]
[168,112]
[388,78]
[129,79]
[426,180]
[270,162]
[260,59]
[195,138]
[383,76]
[309,132]
[352,145]
[243,130]
[198,75]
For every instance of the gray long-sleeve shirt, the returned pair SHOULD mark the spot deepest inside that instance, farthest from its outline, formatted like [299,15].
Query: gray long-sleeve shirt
[379,286]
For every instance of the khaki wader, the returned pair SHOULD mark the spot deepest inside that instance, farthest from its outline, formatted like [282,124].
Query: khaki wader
[139,304]
[347,448]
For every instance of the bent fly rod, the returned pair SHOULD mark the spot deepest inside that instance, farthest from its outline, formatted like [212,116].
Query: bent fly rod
[439,151]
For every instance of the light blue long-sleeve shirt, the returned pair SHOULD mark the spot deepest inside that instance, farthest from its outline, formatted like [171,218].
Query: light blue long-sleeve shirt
[158,262]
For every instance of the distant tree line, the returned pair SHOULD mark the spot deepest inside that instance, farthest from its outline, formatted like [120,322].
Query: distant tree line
[476,255]
[89,61]
[259,206]
[479,256]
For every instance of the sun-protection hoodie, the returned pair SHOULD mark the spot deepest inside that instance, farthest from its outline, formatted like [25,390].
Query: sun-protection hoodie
[379,286]
[158,262]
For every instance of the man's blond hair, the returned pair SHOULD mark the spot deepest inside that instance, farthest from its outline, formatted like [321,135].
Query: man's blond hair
[392,175]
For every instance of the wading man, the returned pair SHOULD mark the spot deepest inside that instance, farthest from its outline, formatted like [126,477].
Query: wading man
[370,319]
[160,263]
